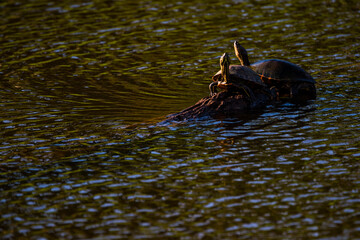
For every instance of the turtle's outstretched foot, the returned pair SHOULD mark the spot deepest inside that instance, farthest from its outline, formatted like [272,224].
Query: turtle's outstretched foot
[249,93]
[212,88]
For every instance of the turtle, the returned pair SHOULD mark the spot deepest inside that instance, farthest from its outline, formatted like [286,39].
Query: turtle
[288,78]
[236,77]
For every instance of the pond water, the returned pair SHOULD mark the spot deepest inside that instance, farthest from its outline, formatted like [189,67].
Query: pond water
[83,84]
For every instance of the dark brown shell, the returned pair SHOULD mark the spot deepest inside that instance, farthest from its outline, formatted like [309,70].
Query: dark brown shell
[281,70]
[241,74]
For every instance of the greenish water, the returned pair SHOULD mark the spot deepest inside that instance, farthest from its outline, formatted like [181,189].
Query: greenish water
[83,83]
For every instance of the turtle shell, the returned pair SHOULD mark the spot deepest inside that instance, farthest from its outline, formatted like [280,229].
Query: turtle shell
[275,70]
[241,74]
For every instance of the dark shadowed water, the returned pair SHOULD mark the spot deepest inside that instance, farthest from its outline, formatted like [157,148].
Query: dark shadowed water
[83,83]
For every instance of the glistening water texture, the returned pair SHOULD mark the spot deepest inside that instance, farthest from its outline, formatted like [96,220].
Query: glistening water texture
[83,84]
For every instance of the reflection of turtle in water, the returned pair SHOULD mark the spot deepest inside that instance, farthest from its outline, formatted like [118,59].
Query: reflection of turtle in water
[236,77]
[290,79]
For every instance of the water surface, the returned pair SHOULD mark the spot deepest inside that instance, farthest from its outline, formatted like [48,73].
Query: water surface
[83,84]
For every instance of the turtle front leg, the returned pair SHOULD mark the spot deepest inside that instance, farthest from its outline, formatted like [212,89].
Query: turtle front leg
[246,89]
[212,88]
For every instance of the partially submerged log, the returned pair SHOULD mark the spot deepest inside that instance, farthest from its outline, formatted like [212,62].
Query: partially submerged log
[222,105]
[228,104]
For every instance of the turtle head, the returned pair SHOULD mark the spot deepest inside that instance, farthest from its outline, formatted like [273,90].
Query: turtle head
[224,66]
[241,54]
